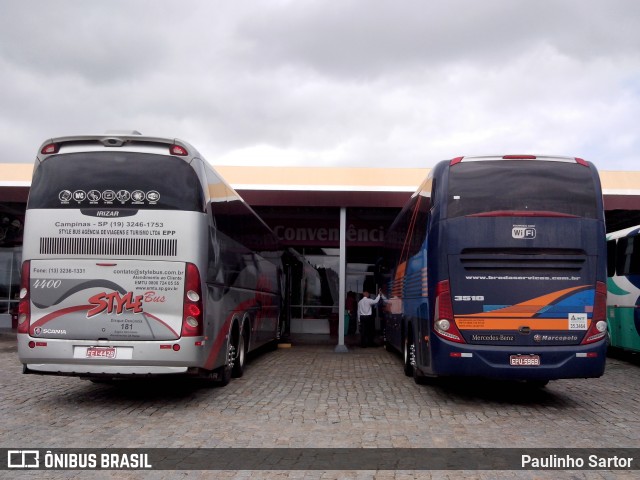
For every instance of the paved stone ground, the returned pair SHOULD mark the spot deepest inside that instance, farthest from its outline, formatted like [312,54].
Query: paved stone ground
[309,396]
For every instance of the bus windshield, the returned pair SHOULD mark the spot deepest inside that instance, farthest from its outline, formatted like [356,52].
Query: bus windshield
[521,187]
[116,180]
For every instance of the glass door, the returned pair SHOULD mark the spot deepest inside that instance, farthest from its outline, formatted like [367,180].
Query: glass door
[10,260]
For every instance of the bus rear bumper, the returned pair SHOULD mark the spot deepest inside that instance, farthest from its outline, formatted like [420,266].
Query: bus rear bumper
[576,361]
[116,359]
[101,370]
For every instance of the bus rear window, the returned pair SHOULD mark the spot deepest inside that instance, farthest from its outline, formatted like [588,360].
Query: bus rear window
[521,186]
[116,180]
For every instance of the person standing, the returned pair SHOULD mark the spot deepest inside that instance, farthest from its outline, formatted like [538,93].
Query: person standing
[365,317]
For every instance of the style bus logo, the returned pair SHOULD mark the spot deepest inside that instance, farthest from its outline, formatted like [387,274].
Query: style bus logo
[114,302]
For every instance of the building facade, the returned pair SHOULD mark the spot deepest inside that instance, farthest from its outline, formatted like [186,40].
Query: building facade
[332,221]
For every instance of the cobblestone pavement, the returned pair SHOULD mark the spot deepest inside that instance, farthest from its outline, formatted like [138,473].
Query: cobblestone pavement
[310,396]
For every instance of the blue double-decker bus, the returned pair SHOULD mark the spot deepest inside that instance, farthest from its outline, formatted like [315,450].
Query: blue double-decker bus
[497,268]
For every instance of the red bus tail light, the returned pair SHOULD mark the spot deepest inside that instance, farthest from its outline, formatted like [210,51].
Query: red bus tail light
[598,328]
[178,150]
[192,314]
[444,324]
[24,307]
[50,149]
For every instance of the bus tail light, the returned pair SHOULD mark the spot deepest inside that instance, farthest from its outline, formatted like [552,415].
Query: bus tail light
[192,316]
[178,150]
[443,324]
[50,149]
[24,307]
[598,329]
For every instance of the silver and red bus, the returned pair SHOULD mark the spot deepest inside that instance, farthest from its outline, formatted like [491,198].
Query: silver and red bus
[140,260]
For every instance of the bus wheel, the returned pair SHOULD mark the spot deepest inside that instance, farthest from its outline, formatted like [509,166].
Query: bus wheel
[225,371]
[238,364]
[385,343]
[408,351]
[419,378]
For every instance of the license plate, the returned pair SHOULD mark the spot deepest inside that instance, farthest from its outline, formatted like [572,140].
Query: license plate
[524,360]
[101,352]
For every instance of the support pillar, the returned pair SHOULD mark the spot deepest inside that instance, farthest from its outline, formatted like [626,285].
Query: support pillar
[341,347]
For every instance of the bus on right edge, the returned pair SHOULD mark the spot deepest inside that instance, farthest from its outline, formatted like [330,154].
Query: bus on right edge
[497,269]
[623,289]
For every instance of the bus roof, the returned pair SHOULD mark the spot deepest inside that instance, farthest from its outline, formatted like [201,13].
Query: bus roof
[624,233]
[129,141]
[545,158]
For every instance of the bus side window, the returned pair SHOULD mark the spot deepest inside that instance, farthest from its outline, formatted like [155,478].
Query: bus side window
[621,254]
[611,258]
[628,256]
[433,195]
[634,255]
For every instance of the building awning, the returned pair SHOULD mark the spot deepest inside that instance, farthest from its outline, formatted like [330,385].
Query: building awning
[331,186]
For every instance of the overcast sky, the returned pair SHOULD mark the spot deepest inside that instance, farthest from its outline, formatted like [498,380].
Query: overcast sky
[328,83]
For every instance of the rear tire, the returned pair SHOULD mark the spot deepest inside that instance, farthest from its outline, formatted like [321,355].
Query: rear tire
[225,372]
[385,343]
[418,378]
[224,376]
[238,364]
[406,355]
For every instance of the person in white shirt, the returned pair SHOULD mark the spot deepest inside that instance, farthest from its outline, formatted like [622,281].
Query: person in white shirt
[365,317]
